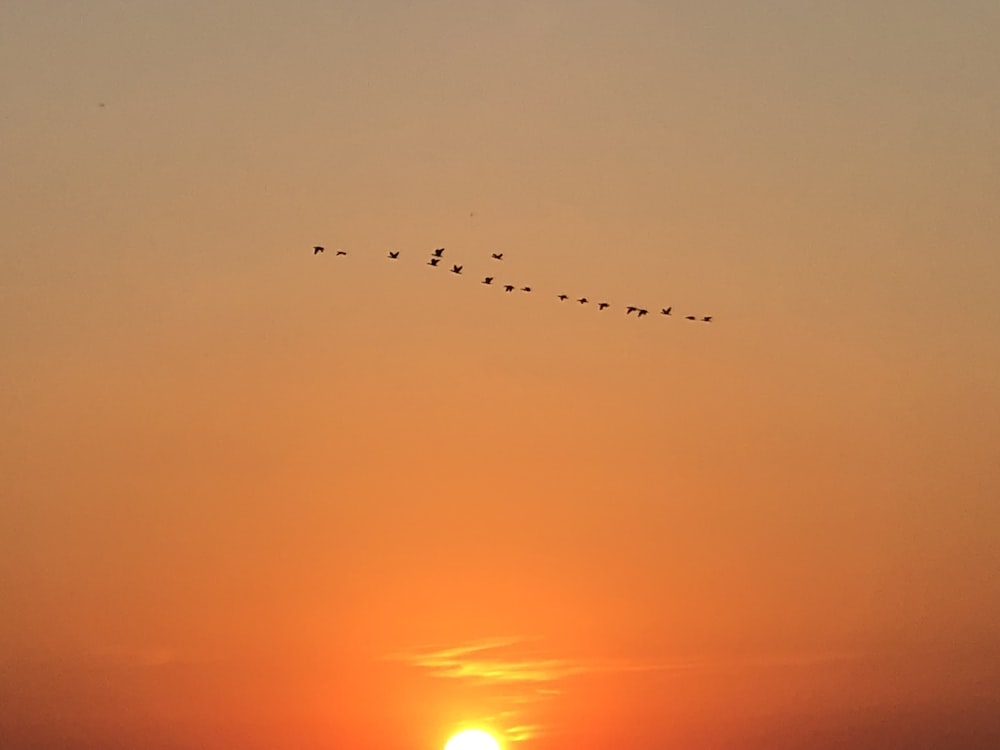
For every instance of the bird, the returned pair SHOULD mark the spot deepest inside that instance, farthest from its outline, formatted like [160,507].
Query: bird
[563,297]
[456,269]
[525,288]
[642,312]
[583,300]
[439,252]
[508,287]
[318,249]
[341,252]
[497,256]
[433,261]
[707,319]
[602,305]
[630,309]
[488,280]
[394,254]
[665,310]
[690,317]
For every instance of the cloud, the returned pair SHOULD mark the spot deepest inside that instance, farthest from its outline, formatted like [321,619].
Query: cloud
[493,660]
[528,676]
[502,660]
[514,664]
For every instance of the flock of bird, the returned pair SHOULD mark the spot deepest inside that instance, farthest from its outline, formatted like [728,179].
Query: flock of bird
[437,255]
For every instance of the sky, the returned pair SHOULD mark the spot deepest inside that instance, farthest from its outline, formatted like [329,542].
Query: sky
[253,496]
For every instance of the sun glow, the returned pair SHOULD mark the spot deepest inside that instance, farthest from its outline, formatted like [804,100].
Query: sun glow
[472,739]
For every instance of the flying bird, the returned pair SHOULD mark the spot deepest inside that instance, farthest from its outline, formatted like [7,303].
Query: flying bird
[602,305]
[666,310]
[583,300]
[439,252]
[707,319]
[642,312]
[456,269]
[690,317]
[525,288]
[318,249]
[394,254]
[508,287]
[433,261]
[497,256]
[563,297]
[629,310]
[341,252]
[488,280]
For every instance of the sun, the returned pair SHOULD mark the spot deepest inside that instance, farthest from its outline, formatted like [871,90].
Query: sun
[473,739]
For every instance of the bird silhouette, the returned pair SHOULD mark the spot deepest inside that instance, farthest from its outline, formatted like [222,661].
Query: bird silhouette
[437,254]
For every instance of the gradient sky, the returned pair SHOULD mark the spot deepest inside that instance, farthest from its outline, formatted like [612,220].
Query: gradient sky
[254,498]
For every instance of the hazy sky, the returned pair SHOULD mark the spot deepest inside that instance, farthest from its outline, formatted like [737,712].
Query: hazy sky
[252,497]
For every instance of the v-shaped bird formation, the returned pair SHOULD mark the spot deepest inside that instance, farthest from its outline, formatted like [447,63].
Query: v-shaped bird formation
[437,255]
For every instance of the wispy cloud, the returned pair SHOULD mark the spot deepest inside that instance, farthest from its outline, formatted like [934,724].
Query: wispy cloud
[503,660]
[528,676]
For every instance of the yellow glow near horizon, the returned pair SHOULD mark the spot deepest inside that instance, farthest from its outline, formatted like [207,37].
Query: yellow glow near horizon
[472,739]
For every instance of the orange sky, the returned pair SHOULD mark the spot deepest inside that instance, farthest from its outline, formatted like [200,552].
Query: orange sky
[252,497]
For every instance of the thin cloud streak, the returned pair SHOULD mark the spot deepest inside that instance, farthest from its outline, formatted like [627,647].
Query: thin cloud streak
[489,660]
[533,679]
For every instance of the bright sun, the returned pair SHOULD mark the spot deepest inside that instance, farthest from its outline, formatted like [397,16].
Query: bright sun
[472,739]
